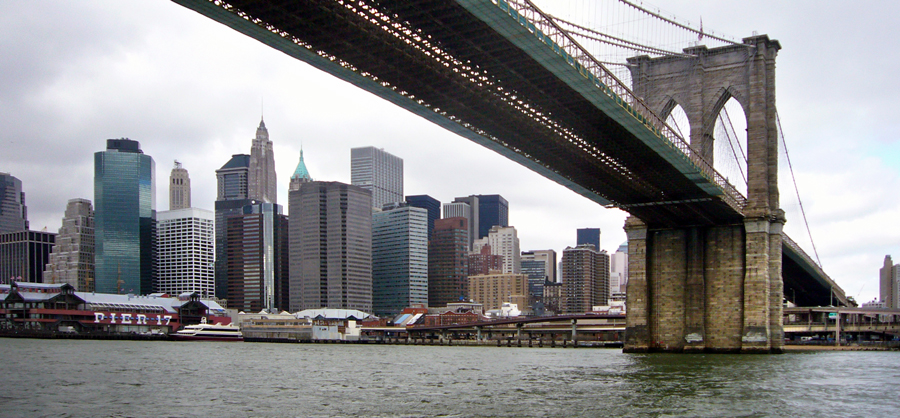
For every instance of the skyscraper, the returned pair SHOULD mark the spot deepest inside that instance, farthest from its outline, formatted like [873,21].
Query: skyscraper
[488,211]
[549,259]
[179,188]
[540,266]
[301,174]
[536,272]
[889,283]
[24,254]
[13,212]
[493,210]
[72,257]
[471,214]
[232,196]
[399,258]
[618,270]
[232,178]
[432,205]
[185,251]
[589,236]
[503,241]
[262,183]
[330,246]
[379,172]
[448,262]
[585,276]
[124,218]
[257,259]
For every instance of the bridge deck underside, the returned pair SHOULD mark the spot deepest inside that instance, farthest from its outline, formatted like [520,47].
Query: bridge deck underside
[806,287]
[441,57]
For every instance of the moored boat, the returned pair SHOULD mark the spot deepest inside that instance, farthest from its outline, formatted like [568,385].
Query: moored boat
[209,332]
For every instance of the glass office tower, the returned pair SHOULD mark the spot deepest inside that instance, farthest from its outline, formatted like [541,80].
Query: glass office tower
[233,194]
[432,205]
[13,213]
[379,172]
[399,259]
[493,210]
[124,218]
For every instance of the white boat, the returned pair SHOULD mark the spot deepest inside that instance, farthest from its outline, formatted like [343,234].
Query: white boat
[209,332]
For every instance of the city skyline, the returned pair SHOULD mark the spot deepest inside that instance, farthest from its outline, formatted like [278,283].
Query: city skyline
[190,89]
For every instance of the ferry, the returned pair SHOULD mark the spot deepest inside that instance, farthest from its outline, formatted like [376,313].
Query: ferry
[209,332]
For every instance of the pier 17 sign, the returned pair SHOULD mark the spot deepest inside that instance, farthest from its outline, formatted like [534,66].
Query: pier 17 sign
[132,319]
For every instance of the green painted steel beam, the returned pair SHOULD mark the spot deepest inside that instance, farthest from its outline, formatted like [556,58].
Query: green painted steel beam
[554,59]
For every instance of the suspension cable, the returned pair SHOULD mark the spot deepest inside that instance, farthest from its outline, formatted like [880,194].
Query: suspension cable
[687,28]
[794,178]
[740,148]
[618,41]
[675,122]
[731,142]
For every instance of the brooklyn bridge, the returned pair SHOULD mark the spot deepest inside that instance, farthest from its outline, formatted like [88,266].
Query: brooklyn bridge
[709,264]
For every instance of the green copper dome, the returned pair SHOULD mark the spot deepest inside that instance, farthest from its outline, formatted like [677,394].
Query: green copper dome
[300,172]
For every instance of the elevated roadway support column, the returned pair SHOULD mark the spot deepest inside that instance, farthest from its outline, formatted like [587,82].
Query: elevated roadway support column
[837,329]
[574,333]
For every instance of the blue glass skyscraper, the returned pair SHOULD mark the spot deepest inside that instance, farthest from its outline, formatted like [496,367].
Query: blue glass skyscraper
[488,211]
[493,210]
[432,205]
[589,236]
[124,218]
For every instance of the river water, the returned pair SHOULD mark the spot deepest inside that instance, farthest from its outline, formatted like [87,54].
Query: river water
[185,379]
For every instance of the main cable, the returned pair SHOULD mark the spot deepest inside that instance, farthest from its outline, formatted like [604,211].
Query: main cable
[797,190]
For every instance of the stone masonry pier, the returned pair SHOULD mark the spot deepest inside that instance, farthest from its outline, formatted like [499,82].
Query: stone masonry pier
[712,288]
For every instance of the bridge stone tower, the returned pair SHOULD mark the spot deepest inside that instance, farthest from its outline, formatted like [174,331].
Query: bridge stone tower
[712,288]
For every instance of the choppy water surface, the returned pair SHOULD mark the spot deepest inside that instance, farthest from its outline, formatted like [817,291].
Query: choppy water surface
[137,378]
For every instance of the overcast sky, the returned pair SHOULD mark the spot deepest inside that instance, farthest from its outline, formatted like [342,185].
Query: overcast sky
[73,74]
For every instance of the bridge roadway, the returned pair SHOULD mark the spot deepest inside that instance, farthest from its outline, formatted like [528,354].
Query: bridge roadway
[508,78]
[862,322]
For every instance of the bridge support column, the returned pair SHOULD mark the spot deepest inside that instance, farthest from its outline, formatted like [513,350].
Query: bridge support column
[757,289]
[776,284]
[717,287]
[704,289]
[637,326]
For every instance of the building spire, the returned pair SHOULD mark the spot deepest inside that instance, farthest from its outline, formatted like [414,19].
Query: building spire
[301,172]
[261,177]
